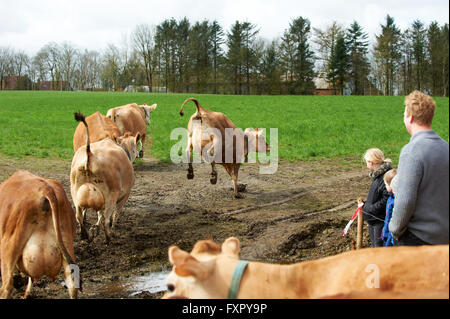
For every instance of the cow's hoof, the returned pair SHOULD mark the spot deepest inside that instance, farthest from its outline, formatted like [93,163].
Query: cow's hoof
[190,175]
[242,187]
[141,154]
[213,179]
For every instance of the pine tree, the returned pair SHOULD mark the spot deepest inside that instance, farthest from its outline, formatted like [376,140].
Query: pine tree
[303,57]
[357,44]
[387,53]
[339,65]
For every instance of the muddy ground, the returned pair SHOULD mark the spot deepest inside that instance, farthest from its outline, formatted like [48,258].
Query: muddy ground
[296,214]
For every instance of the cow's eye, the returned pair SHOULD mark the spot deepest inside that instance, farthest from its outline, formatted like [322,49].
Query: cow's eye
[170,287]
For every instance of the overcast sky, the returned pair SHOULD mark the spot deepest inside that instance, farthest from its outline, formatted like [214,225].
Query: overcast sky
[92,24]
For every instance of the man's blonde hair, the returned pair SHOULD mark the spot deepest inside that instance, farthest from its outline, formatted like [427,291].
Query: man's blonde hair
[421,106]
[389,175]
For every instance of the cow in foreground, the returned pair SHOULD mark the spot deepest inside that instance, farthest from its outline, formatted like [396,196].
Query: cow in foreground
[100,127]
[37,228]
[101,179]
[209,135]
[207,272]
[132,118]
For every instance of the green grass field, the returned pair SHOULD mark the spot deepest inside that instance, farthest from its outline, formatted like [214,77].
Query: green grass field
[41,124]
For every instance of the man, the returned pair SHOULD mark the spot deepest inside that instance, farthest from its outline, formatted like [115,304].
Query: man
[421,210]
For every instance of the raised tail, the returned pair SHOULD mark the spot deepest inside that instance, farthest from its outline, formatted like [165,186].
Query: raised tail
[81,118]
[199,107]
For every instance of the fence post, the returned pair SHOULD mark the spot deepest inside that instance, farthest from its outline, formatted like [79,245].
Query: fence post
[360,230]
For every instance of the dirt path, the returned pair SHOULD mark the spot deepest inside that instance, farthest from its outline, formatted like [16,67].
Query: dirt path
[296,214]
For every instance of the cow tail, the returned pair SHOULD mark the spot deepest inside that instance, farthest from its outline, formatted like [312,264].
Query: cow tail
[81,118]
[51,197]
[196,103]
[54,207]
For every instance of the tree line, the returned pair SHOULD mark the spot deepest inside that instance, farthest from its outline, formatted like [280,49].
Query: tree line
[178,56]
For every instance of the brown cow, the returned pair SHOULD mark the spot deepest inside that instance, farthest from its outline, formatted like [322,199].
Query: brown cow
[207,272]
[216,138]
[101,179]
[37,228]
[100,127]
[132,118]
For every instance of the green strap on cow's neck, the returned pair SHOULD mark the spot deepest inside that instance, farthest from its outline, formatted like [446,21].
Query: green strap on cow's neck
[236,279]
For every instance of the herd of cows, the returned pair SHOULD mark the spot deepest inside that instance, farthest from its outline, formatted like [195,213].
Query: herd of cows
[38,224]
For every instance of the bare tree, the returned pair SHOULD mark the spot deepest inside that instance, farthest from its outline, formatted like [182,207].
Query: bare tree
[49,55]
[67,62]
[5,65]
[111,67]
[144,44]
[326,42]
[87,74]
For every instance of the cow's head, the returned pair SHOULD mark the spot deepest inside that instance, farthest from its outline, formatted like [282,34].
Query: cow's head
[129,143]
[256,141]
[147,110]
[111,114]
[206,272]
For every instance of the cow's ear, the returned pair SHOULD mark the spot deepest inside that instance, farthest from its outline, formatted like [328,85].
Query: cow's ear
[185,264]
[138,137]
[231,246]
[118,139]
[153,107]
[176,255]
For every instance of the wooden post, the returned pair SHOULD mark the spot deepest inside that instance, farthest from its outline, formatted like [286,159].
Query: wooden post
[360,230]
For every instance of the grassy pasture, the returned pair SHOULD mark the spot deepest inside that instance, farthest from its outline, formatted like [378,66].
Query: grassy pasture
[41,124]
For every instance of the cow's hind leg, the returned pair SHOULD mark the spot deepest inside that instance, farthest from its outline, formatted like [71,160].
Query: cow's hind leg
[142,141]
[116,212]
[81,218]
[10,255]
[29,288]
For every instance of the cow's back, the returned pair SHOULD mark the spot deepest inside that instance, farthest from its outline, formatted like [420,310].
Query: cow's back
[100,127]
[390,269]
[129,118]
[109,166]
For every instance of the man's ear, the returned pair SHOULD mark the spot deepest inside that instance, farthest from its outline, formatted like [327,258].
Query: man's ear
[231,246]
[185,264]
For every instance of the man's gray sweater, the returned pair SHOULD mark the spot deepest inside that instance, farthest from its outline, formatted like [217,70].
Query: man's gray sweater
[421,203]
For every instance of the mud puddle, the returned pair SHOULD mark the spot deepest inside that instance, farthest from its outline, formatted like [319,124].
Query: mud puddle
[153,283]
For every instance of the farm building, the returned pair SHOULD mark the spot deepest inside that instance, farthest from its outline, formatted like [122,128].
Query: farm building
[323,87]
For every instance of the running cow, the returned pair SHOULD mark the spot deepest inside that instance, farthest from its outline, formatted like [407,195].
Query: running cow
[132,118]
[216,138]
[37,228]
[101,179]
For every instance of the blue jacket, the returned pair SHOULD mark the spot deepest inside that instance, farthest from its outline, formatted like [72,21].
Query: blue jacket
[387,236]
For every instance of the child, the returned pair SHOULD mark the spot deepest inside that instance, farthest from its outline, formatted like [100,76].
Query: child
[390,180]
[374,210]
